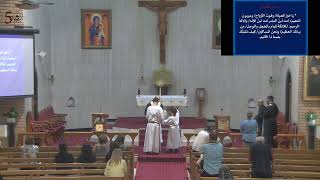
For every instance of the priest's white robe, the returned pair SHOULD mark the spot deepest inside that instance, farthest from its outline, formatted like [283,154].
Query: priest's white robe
[152,139]
[174,138]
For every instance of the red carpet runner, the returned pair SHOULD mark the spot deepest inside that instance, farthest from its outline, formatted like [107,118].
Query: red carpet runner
[164,166]
[161,171]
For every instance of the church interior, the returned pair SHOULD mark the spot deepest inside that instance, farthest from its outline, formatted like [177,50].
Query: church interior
[96,64]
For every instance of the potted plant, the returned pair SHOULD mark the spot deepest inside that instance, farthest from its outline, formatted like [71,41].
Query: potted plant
[311,118]
[11,115]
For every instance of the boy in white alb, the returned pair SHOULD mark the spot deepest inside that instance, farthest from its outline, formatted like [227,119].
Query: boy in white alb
[174,139]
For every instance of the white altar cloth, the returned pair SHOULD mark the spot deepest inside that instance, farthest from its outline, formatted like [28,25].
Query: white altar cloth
[180,101]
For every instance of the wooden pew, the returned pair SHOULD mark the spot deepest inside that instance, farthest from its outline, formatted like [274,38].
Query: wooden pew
[293,174]
[53,166]
[77,172]
[39,160]
[41,149]
[276,150]
[65,177]
[39,155]
[127,155]
[297,168]
[237,178]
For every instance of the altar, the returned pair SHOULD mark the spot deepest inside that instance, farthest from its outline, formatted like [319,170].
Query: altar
[179,101]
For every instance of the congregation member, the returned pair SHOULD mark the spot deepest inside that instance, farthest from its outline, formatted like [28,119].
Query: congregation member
[201,139]
[270,121]
[248,129]
[86,155]
[116,166]
[211,158]
[225,173]
[120,140]
[173,139]
[94,139]
[153,135]
[102,148]
[261,159]
[63,156]
[29,149]
[113,146]
[259,116]
[227,141]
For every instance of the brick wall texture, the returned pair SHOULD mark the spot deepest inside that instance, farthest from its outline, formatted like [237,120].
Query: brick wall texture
[305,106]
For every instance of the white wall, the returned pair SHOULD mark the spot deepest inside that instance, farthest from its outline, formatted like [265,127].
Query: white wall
[40,19]
[110,77]
[280,69]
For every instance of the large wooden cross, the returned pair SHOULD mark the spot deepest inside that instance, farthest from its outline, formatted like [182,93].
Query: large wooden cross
[162,8]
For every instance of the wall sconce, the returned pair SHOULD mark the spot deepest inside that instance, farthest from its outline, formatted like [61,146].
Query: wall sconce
[252,103]
[71,102]
[201,94]
[42,54]
[141,72]
[51,79]
[271,81]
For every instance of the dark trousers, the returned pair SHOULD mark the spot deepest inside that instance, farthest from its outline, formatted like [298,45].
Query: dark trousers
[260,175]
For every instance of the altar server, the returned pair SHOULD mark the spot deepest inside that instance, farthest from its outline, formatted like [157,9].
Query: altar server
[174,139]
[152,140]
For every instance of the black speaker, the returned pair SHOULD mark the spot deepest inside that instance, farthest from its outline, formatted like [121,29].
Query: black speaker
[311,136]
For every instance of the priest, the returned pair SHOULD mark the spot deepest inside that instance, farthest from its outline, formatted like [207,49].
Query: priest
[152,140]
[270,121]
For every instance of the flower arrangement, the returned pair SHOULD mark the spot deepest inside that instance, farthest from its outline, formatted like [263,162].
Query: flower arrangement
[311,117]
[13,113]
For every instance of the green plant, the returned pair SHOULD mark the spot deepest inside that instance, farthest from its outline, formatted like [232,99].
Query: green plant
[13,113]
[311,116]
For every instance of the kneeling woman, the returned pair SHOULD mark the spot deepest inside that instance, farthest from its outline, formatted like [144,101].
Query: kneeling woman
[116,166]
[174,139]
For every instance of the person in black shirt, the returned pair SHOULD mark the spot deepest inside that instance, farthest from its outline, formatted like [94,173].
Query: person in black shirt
[63,155]
[261,159]
[270,120]
[86,155]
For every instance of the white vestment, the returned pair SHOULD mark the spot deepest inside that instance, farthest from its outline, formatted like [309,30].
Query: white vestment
[174,138]
[152,139]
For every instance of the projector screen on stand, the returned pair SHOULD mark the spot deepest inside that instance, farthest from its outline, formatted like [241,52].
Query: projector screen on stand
[16,65]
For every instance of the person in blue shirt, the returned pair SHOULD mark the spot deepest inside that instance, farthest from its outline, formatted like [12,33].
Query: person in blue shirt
[211,159]
[248,130]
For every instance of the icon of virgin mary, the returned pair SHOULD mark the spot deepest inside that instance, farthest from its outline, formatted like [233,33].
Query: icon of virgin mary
[97,36]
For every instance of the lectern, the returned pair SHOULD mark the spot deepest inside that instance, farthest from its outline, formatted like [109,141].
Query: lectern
[99,122]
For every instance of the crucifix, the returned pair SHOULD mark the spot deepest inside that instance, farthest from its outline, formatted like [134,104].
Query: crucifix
[162,8]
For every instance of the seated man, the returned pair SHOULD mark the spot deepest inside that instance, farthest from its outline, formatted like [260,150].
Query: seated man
[201,139]
[261,159]
[211,157]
